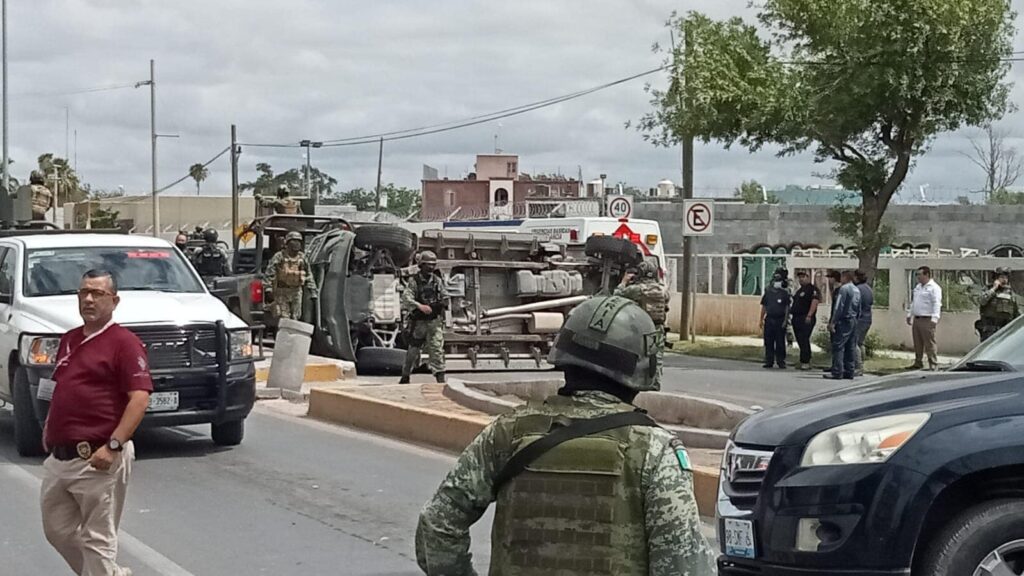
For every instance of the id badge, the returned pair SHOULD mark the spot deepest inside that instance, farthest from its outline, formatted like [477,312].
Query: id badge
[46,387]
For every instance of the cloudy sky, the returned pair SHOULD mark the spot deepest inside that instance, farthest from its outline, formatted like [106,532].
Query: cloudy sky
[331,69]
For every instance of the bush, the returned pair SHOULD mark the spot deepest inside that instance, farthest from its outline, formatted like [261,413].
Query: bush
[872,344]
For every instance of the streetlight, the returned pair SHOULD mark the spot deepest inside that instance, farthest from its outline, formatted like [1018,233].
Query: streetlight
[6,161]
[309,174]
[152,138]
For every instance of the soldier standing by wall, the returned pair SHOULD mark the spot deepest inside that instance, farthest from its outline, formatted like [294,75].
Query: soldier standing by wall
[287,274]
[211,260]
[775,305]
[42,198]
[283,204]
[424,300]
[582,480]
[999,305]
[646,290]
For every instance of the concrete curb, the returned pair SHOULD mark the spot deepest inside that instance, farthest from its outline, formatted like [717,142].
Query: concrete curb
[698,422]
[451,432]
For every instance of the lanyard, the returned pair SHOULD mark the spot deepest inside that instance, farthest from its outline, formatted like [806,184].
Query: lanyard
[69,351]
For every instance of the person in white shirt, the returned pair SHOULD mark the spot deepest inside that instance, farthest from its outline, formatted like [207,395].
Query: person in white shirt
[923,317]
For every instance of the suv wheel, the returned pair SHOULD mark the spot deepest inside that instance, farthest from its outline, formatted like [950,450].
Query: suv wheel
[618,250]
[986,540]
[228,433]
[28,435]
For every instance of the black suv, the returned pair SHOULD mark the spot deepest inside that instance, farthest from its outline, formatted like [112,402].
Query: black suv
[919,474]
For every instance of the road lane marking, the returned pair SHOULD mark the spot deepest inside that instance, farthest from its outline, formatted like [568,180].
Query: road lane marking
[130,544]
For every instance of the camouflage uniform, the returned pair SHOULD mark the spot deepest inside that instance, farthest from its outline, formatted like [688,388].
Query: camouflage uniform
[999,306]
[42,201]
[280,205]
[286,277]
[652,296]
[617,502]
[424,333]
[211,261]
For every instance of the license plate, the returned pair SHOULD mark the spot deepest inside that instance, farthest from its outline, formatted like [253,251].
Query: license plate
[163,402]
[739,538]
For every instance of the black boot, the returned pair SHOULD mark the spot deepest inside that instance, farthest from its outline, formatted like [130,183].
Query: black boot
[404,379]
[440,377]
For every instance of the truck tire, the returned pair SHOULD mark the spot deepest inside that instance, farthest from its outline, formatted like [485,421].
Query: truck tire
[618,250]
[28,435]
[228,433]
[399,241]
[379,360]
[977,538]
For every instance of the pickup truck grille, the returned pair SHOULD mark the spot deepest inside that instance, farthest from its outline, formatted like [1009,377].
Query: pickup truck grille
[744,472]
[170,348]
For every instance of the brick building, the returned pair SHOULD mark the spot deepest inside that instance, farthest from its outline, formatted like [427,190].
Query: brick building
[495,191]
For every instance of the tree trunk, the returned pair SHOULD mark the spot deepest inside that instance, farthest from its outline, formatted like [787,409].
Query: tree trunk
[871,221]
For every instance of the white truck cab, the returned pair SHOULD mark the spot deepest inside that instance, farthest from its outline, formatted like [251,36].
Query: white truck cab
[201,355]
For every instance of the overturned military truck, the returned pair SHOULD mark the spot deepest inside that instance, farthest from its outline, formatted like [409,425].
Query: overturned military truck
[508,293]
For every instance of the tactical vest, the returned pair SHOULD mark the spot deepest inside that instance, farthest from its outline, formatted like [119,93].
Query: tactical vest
[576,510]
[42,198]
[777,302]
[290,272]
[1001,308]
[654,301]
[210,261]
[288,206]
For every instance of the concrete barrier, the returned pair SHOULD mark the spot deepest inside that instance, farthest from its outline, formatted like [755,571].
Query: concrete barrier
[451,432]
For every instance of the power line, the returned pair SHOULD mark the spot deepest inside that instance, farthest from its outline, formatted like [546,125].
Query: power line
[73,92]
[187,176]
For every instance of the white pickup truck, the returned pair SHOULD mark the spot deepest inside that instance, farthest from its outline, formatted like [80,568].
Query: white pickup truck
[201,355]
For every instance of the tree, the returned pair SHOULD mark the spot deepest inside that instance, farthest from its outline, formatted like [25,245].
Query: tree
[403,202]
[753,193]
[267,183]
[61,179]
[1004,197]
[361,198]
[198,172]
[1002,164]
[865,85]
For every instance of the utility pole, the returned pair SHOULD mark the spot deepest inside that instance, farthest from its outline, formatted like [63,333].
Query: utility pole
[152,142]
[67,132]
[686,309]
[309,170]
[380,168]
[6,159]
[234,187]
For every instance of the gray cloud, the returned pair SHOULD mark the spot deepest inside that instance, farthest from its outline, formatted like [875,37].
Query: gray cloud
[327,69]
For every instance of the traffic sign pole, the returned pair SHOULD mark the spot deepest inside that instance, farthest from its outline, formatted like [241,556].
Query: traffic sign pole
[698,220]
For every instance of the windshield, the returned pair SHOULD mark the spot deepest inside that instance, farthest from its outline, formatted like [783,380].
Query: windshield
[59,270]
[1002,349]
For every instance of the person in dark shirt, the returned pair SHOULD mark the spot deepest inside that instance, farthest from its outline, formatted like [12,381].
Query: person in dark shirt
[834,282]
[775,305]
[804,316]
[842,325]
[867,300]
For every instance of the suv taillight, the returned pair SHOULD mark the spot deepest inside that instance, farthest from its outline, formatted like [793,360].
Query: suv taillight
[256,291]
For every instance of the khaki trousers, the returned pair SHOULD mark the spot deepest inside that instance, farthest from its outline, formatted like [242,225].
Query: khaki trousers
[924,342]
[82,511]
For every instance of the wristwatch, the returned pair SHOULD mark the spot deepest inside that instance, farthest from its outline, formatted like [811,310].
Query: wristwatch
[115,445]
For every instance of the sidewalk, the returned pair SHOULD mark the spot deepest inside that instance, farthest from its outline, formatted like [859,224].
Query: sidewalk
[755,341]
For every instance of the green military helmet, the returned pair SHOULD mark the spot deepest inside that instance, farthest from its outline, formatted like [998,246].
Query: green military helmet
[293,236]
[210,235]
[647,269]
[428,257]
[601,335]
[36,177]
[1003,271]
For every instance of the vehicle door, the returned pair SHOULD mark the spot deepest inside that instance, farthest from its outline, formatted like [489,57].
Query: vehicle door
[8,331]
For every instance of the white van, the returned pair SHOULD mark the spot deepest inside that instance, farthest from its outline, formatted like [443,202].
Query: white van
[646,234]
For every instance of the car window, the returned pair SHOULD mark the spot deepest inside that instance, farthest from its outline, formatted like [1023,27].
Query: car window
[1004,347]
[7,271]
[59,271]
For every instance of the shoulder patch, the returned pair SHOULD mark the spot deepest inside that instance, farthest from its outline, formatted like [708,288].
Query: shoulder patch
[681,455]
[602,319]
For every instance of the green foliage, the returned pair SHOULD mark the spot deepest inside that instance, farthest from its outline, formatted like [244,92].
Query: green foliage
[61,179]
[866,85]
[880,288]
[403,201]
[267,183]
[198,172]
[1006,198]
[847,221]
[872,344]
[361,198]
[963,200]
[751,192]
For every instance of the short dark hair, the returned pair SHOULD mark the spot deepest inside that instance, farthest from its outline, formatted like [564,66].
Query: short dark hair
[847,274]
[834,274]
[100,273]
[800,273]
[860,275]
[925,270]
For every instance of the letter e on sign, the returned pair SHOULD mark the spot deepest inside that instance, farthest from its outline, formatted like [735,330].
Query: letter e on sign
[698,218]
[620,206]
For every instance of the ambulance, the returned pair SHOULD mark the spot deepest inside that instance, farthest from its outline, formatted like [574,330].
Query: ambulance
[573,232]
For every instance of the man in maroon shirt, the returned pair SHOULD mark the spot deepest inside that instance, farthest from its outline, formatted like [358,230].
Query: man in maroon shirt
[99,398]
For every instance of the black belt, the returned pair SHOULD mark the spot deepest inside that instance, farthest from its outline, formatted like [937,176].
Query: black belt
[922,317]
[79,450]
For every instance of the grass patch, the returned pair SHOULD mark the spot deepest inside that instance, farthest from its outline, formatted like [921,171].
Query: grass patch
[879,364]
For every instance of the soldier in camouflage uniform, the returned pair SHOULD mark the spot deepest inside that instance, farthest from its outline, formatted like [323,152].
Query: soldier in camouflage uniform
[611,498]
[211,260]
[645,289]
[999,305]
[42,198]
[282,204]
[424,300]
[287,274]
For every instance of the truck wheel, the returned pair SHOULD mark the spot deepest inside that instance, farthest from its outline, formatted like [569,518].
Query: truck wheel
[228,433]
[379,360]
[618,250]
[985,540]
[28,435]
[399,241]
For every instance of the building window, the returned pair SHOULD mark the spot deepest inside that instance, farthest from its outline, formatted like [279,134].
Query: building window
[511,166]
[449,198]
[543,190]
[501,197]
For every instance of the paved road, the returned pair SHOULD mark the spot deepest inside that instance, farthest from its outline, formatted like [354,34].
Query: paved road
[297,497]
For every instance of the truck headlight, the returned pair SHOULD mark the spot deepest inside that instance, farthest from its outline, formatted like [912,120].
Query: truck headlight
[863,442]
[40,351]
[241,344]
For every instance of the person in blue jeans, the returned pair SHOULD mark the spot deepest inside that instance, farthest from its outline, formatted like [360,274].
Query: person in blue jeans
[843,326]
[867,300]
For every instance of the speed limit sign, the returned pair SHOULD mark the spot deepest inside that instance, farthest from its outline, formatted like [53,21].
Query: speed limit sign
[620,206]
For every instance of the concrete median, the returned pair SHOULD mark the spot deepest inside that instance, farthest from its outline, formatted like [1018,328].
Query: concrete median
[439,429]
